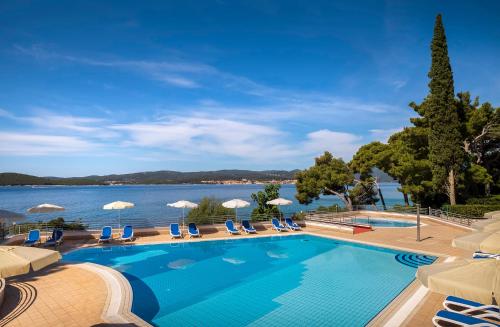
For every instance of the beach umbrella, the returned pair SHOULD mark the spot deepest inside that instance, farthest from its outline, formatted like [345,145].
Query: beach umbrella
[184,205]
[235,204]
[279,202]
[484,241]
[18,260]
[9,216]
[118,205]
[471,279]
[45,208]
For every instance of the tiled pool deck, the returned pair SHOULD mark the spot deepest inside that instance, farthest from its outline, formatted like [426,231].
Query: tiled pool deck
[68,295]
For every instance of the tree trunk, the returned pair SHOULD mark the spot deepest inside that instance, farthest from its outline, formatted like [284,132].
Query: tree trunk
[405,197]
[381,197]
[451,187]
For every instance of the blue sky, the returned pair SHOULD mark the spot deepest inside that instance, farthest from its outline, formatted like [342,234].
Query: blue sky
[94,87]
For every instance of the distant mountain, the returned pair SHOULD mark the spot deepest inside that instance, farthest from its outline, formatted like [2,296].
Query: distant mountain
[153,177]
[163,177]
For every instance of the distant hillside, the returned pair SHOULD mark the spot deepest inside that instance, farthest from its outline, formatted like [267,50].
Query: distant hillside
[154,177]
[174,177]
[23,179]
[162,177]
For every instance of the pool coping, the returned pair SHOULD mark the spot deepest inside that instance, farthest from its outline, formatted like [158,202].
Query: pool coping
[118,306]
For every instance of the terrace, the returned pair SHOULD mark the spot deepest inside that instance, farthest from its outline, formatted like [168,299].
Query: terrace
[105,296]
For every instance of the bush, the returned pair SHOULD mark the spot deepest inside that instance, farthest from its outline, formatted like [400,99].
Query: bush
[298,215]
[490,200]
[271,192]
[333,208]
[209,207]
[473,210]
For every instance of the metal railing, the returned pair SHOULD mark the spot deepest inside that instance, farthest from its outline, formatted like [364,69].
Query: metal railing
[340,215]
[136,222]
[435,213]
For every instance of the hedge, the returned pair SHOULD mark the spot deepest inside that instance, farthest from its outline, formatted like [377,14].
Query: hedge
[490,200]
[473,210]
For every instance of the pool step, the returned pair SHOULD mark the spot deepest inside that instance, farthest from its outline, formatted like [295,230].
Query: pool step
[414,260]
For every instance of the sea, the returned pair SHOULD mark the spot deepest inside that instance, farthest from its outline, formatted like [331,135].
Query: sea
[85,202]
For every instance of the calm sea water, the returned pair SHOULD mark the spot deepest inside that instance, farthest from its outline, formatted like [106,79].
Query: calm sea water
[85,202]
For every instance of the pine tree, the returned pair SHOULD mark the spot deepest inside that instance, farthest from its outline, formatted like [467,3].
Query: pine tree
[445,148]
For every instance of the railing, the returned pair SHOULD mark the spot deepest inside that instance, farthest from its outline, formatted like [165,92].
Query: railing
[339,215]
[47,227]
[435,213]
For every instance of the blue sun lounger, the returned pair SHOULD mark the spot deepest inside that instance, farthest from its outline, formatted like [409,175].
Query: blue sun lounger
[277,225]
[230,227]
[106,234]
[193,230]
[245,224]
[127,234]
[471,308]
[291,225]
[448,318]
[484,255]
[175,231]
[56,238]
[32,238]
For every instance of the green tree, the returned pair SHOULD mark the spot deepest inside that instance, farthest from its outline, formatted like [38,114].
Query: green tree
[271,192]
[364,192]
[209,207]
[328,176]
[445,148]
[374,154]
[481,135]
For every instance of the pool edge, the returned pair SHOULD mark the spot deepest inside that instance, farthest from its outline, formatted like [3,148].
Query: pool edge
[118,306]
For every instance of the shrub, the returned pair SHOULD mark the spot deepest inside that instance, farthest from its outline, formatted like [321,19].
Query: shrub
[298,215]
[271,192]
[490,200]
[333,208]
[208,208]
[473,210]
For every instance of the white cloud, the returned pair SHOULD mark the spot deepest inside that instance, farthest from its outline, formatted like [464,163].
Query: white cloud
[45,119]
[25,144]
[340,144]
[383,135]
[196,135]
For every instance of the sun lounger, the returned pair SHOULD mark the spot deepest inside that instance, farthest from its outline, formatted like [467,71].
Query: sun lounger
[471,308]
[33,237]
[245,224]
[56,238]
[291,225]
[277,225]
[447,318]
[106,234]
[127,234]
[230,227]
[193,230]
[484,255]
[175,231]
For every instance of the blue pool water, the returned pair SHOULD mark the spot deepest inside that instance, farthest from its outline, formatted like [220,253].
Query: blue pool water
[297,280]
[376,222]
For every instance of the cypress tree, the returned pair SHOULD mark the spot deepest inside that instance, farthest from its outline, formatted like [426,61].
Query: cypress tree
[445,146]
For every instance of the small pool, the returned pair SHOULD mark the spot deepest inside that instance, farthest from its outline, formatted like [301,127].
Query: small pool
[382,222]
[297,280]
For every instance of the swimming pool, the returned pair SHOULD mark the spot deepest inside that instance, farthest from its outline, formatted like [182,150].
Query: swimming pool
[378,222]
[297,280]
